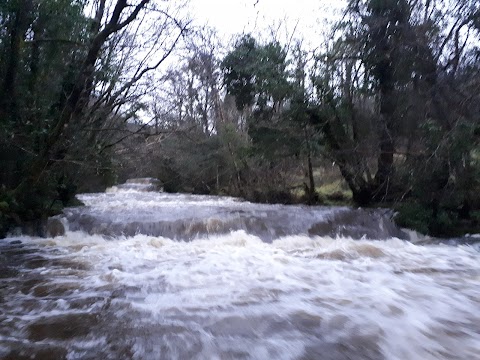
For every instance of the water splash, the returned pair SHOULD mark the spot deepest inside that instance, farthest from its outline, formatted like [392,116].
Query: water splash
[186,217]
[235,296]
[267,286]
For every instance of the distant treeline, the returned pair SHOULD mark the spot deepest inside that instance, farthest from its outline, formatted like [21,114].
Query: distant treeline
[391,100]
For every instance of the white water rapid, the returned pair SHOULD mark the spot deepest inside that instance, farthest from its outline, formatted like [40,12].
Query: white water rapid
[233,285]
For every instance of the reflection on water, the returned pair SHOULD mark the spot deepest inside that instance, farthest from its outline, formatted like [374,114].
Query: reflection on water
[234,296]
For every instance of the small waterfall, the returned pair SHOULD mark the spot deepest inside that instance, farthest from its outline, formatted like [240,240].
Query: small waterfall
[149,276]
[138,184]
[134,208]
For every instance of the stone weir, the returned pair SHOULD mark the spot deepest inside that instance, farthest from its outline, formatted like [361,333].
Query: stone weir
[132,208]
[138,184]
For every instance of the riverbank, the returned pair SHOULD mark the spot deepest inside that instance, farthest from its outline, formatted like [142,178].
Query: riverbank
[446,222]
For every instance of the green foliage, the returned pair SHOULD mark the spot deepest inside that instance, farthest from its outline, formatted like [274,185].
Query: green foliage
[335,193]
[41,47]
[256,74]
[239,68]
[393,101]
[414,216]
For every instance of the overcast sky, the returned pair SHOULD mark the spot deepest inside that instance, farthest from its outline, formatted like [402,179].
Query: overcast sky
[232,17]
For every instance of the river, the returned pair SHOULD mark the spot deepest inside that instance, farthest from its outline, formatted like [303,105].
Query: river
[147,275]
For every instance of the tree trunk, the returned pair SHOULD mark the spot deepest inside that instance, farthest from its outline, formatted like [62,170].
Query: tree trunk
[347,161]
[8,101]
[385,169]
[311,191]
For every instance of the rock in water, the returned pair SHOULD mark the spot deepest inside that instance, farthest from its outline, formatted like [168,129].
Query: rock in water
[359,223]
[55,227]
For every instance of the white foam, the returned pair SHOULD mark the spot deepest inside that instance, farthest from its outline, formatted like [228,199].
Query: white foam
[412,302]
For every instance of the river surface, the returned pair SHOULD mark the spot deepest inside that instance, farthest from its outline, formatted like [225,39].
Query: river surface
[234,285]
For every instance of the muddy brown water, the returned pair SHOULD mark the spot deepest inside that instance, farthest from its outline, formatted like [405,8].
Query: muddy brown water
[233,293]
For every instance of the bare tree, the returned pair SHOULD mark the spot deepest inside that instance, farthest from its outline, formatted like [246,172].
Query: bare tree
[111,80]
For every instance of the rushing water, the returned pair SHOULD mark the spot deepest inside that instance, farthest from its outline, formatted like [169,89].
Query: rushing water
[257,291]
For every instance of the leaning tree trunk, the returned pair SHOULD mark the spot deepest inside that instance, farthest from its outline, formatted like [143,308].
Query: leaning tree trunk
[385,170]
[345,156]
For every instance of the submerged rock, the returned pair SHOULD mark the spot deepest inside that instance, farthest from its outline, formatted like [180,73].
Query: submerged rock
[359,223]
[55,227]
